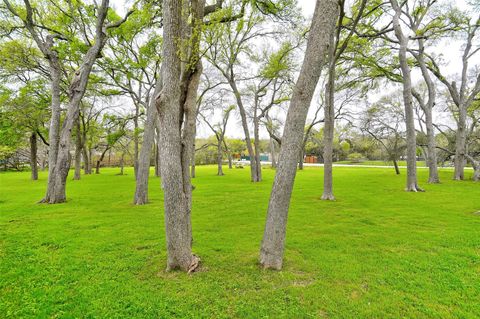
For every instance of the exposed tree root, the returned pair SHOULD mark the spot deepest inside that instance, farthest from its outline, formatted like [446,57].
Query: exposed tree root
[328,196]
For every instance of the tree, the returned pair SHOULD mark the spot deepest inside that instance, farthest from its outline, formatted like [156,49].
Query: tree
[383,121]
[59,161]
[462,96]
[320,36]
[412,183]
[219,130]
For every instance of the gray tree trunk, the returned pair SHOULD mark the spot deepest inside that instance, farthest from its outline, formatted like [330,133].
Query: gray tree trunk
[428,110]
[248,141]
[412,184]
[328,131]
[301,157]
[321,31]
[54,131]
[78,152]
[460,143]
[256,144]
[219,158]
[272,153]
[33,156]
[143,163]
[172,106]
[87,164]
[122,163]
[77,89]
[136,140]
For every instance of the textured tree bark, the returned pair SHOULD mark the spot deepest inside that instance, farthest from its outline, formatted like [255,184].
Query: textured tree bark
[33,156]
[54,131]
[321,31]
[76,90]
[78,152]
[143,163]
[412,184]
[329,126]
[177,101]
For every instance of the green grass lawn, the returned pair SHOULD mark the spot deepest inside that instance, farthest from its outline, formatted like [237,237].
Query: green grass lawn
[380,163]
[376,252]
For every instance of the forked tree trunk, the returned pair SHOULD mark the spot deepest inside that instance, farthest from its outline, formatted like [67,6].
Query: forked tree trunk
[33,156]
[173,106]
[76,90]
[412,184]
[78,153]
[143,164]
[321,31]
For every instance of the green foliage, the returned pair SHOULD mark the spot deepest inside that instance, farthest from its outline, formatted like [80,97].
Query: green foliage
[355,157]
[278,62]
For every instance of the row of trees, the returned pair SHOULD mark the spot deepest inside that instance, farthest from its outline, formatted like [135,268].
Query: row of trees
[78,65]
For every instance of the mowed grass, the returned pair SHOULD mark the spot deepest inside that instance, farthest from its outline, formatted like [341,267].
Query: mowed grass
[376,252]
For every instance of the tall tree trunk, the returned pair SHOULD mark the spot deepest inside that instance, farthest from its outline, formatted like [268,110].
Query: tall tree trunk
[433,177]
[219,158]
[248,141]
[321,31]
[427,109]
[143,163]
[78,152]
[54,131]
[136,140]
[33,156]
[256,143]
[87,162]
[77,88]
[460,143]
[272,153]
[176,151]
[328,131]
[412,185]
[122,163]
